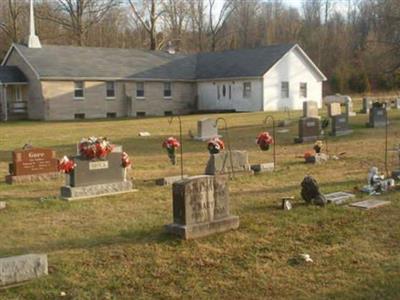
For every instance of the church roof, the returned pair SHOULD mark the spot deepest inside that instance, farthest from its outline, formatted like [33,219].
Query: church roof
[64,62]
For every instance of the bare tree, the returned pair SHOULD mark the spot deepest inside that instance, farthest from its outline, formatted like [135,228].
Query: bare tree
[77,16]
[11,10]
[176,18]
[216,21]
[148,14]
[197,18]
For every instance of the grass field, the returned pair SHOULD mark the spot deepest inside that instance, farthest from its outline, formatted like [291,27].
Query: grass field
[116,248]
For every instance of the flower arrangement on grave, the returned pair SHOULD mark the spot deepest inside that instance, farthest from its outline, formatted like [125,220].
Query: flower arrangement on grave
[125,160]
[308,154]
[171,144]
[66,165]
[318,146]
[264,140]
[94,147]
[215,145]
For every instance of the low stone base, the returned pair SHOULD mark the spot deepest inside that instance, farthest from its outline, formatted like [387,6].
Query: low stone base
[341,132]
[78,193]
[318,158]
[169,180]
[205,138]
[306,139]
[11,179]
[377,125]
[263,168]
[18,269]
[203,229]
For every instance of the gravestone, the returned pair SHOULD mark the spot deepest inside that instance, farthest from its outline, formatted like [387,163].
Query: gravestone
[201,207]
[388,104]
[34,164]
[19,269]
[340,125]
[97,177]
[397,103]
[206,130]
[349,108]
[263,168]
[366,105]
[309,124]
[377,117]
[309,130]
[220,163]
[3,205]
[334,109]
[369,204]
[310,109]
[339,197]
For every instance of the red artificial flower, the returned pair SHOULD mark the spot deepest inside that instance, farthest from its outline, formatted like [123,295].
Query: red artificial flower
[171,143]
[215,145]
[265,138]
[95,147]
[66,165]
[126,162]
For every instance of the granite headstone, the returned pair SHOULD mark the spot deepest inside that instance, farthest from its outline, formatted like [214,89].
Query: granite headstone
[340,125]
[201,207]
[34,164]
[206,130]
[221,163]
[98,177]
[377,117]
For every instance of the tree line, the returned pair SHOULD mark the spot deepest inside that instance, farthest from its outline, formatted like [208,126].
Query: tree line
[356,45]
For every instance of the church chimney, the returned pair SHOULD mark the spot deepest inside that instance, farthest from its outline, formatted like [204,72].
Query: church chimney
[33,39]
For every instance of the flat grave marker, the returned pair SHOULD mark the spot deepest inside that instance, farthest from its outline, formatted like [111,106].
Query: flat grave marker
[369,204]
[19,269]
[338,197]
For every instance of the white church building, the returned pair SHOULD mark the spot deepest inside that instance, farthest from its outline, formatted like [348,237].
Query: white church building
[48,82]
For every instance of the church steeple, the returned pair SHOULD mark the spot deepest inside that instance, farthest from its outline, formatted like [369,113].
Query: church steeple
[33,39]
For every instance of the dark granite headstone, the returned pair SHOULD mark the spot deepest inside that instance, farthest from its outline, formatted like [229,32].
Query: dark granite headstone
[340,125]
[377,117]
[89,172]
[201,207]
[32,164]
[98,177]
[309,129]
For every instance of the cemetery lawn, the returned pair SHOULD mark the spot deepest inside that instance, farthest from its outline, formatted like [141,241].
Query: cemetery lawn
[116,248]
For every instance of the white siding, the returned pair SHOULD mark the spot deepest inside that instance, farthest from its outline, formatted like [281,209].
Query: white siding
[294,69]
[208,95]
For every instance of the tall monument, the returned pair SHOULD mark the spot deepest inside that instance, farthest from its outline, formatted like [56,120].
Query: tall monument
[33,39]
